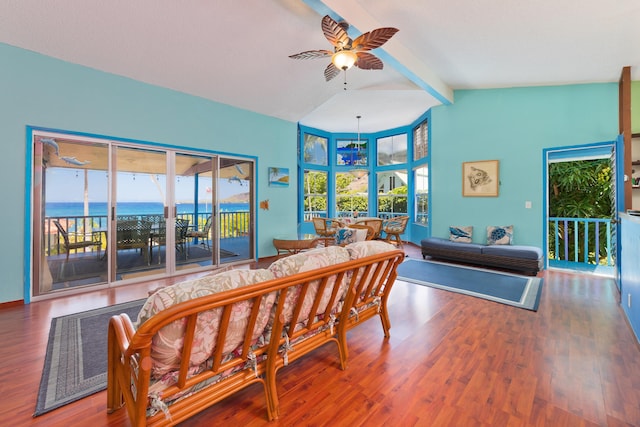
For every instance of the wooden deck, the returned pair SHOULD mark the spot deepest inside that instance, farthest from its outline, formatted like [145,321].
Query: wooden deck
[452,360]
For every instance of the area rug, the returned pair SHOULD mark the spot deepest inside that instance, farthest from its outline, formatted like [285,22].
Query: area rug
[75,365]
[511,289]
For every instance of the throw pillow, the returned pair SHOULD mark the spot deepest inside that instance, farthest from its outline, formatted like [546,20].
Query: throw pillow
[350,235]
[461,234]
[499,235]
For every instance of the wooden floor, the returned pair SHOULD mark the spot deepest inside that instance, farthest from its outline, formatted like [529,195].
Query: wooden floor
[452,360]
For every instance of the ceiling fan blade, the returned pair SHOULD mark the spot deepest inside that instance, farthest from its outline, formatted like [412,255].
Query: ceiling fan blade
[373,39]
[331,71]
[335,33]
[368,61]
[312,54]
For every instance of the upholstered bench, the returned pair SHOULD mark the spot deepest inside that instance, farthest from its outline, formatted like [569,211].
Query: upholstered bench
[526,259]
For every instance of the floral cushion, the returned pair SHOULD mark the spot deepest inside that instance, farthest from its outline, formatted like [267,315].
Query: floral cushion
[499,235]
[167,343]
[307,261]
[461,234]
[370,247]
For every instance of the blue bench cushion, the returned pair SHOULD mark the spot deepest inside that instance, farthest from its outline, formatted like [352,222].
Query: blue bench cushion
[456,246]
[513,251]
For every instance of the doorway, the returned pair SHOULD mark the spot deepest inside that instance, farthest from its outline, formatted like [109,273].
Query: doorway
[111,212]
[581,205]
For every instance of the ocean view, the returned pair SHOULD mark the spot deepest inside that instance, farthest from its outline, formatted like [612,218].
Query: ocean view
[65,209]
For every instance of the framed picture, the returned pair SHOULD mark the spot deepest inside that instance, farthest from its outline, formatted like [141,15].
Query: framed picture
[480,179]
[279,177]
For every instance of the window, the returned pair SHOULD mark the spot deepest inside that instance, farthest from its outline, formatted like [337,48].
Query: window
[421,141]
[392,150]
[315,194]
[351,152]
[352,192]
[315,150]
[421,180]
[392,193]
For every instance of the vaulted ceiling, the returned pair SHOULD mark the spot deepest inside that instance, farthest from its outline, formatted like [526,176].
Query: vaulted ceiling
[237,52]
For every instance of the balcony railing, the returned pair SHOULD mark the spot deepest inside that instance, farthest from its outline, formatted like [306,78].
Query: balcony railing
[580,242]
[232,224]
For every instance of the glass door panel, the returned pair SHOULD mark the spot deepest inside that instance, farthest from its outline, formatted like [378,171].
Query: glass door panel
[139,232]
[236,209]
[70,213]
[194,201]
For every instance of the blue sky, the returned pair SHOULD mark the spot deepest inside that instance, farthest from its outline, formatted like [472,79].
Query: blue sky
[67,185]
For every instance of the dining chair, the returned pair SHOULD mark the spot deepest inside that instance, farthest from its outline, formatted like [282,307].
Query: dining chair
[134,234]
[374,223]
[326,228]
[394,227]
[75,241]
[370,231]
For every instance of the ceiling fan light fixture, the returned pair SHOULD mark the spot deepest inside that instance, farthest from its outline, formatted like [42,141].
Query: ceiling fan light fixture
[344,59]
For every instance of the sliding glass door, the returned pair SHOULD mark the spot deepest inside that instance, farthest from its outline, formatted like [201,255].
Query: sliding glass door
[108,212]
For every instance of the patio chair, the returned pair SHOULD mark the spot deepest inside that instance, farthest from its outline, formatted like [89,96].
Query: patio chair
[134,234]
[202,235]
[77,240]
[394,227]
[326,228]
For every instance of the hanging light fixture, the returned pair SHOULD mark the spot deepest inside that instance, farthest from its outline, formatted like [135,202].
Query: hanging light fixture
[344,59]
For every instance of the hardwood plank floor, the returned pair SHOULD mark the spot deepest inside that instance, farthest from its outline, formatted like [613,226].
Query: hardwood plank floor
[451,360]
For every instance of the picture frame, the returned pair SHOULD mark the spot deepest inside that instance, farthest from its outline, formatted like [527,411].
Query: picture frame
[278,177]
[480,178]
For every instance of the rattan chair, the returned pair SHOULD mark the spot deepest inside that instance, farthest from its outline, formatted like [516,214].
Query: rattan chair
[393,228]
[374,223]
[370,231]
[326,228]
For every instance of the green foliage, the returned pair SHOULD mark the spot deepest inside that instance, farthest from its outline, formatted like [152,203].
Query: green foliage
[394,201]
[315,187]
[580,189]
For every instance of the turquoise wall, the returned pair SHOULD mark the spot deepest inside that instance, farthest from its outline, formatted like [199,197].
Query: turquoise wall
[41,91]
[513,126]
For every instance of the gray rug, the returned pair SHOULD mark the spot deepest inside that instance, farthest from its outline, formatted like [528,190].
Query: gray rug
[75,365]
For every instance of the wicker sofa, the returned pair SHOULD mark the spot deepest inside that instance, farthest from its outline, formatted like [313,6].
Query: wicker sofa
[199,341]
[525,259]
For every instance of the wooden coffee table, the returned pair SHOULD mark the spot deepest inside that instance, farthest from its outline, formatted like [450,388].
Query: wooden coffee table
[289,245]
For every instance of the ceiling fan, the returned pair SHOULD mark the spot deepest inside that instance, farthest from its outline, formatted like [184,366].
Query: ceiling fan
[347,52]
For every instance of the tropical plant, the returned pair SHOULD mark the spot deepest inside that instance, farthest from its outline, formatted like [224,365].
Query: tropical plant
[580,189]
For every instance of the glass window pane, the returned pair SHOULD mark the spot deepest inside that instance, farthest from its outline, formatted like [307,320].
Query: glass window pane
[315,149]
[421,176]
[392,193]
[352,152]
[392,150]
[352,192]
[421,141]
[315,194]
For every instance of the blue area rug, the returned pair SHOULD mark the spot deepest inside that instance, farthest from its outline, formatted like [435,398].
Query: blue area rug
[511,289]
